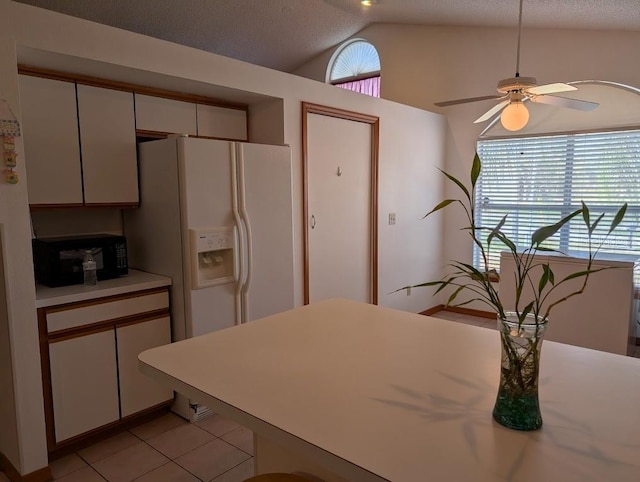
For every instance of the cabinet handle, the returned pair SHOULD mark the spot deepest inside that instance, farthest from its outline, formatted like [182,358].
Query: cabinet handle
[313,222]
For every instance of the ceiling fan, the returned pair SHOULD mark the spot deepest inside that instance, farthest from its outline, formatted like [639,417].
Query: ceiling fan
[517,90]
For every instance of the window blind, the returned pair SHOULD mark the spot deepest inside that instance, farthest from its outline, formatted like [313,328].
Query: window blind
[539,180]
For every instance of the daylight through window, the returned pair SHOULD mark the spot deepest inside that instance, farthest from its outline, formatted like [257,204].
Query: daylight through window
[539,180]
[356,66]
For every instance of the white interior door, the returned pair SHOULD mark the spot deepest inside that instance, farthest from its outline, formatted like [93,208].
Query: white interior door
[339,200]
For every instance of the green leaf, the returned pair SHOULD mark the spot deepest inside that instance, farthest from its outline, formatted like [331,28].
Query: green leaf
[578,274]
[544,279]
[495,230]
[525,312]
[440,205]
[454,294]
[475,170]
[472,272]
[442,286]
[585,214]
[541,234]
[552,278]
[618,218]
[593,227]
[506,241]
[458,183]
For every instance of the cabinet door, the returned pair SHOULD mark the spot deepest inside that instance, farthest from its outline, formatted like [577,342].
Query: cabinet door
[84,383]
[222,122]
[165,115]
[108,144]
[52,150]
[138,391]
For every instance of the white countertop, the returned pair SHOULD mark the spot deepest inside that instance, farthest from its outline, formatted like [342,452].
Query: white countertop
[134,281]
[378,394]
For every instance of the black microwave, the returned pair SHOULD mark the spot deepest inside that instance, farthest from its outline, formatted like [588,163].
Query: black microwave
[58,261]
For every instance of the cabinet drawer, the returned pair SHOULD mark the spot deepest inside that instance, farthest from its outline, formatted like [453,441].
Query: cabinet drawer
[106,310]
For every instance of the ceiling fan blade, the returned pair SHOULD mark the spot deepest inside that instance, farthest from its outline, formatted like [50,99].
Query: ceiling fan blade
[464,101]
[551,88]
[564,102]
[491,112]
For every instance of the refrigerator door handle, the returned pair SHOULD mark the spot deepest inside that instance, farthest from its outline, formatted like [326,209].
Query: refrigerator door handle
[239,247]
[247,231]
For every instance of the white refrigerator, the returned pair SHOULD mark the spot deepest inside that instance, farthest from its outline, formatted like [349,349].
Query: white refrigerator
[216,217]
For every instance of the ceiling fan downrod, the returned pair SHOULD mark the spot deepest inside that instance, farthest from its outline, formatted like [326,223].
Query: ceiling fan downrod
[519,35]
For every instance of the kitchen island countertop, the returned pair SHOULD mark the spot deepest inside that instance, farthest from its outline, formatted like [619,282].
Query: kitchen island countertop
[370,394]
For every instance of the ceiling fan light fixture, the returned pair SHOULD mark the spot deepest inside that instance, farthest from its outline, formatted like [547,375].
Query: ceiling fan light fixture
[515,116]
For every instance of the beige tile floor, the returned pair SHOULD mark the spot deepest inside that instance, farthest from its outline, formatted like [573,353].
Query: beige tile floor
[169,449]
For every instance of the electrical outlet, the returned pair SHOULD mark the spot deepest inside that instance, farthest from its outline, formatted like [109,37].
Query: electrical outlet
[408,290]
[392,218]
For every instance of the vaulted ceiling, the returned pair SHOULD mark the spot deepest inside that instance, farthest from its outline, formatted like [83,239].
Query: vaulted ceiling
[285,34]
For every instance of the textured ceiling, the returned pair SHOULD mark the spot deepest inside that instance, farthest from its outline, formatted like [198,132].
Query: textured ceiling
[284,34]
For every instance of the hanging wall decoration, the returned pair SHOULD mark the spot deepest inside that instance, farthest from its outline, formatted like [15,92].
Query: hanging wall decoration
[9,130]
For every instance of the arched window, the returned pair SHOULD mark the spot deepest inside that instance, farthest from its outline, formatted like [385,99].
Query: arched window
[355,65]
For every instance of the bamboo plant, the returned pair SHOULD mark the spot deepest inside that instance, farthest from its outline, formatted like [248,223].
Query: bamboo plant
[517,404]
[479,282]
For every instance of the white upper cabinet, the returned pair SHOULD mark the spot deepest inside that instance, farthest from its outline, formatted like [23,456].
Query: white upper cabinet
[108,145]
[165,115]
[80,144]
[52,150]
[222,122]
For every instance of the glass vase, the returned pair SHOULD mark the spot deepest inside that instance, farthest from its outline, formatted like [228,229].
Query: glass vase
[517,405]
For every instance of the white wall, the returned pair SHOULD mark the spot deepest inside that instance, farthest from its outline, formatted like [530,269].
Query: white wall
[421,65]
[8,422]
[411,140]
[30,452]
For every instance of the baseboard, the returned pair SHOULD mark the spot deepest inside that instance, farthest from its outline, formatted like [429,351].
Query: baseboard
[41,475]
[464,311]
[432,311]
[471,312]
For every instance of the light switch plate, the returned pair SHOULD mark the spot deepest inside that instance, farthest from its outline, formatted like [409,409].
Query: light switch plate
[392,218]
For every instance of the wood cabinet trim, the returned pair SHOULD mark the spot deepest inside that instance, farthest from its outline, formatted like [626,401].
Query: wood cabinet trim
[107,299]
[153,134]
[91,328]
[127,87]
[374,122]
[47,389]
[78,442]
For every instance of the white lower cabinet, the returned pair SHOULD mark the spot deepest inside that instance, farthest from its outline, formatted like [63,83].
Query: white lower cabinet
[84,383]
[137,391]
[92,350]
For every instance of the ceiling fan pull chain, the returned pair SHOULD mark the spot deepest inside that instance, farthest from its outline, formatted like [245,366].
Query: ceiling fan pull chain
[519,34]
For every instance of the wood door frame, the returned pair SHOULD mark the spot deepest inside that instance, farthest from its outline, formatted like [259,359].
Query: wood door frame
[374,122]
